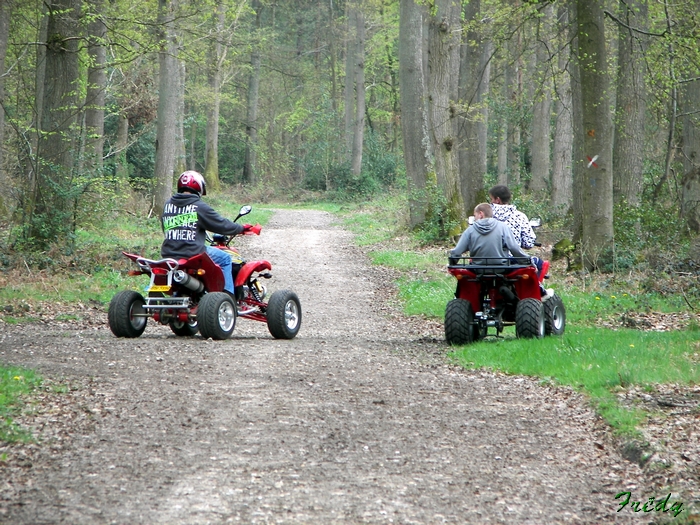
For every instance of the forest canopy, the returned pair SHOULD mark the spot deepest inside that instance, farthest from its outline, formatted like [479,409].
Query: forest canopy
[587,109]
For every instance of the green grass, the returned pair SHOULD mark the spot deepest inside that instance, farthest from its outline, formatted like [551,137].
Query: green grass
[14,382]
[596,361]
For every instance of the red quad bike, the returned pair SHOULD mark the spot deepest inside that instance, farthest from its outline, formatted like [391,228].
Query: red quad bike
[188,296]
[491,294]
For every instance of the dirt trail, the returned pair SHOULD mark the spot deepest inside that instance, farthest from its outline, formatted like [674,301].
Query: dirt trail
[357,420]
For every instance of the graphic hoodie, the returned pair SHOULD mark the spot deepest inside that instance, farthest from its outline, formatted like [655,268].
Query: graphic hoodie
[185,221]
[518,223]
[488,238]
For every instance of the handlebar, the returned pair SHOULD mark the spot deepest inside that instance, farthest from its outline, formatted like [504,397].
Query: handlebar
[219,238]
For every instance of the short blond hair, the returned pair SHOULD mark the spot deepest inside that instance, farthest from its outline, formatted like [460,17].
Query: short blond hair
[484,208]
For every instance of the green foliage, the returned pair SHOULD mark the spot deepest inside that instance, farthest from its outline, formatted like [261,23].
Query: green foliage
[14,383]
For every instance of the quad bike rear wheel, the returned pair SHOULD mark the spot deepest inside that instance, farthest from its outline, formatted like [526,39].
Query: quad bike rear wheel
[554,315]
[183,329]
[126,315]
[216,316]
[529,319]
[459,322]
[284,314]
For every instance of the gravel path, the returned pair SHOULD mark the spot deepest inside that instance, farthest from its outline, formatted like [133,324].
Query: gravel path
[360,419]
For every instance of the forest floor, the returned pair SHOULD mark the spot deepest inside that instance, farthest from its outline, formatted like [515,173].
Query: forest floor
[359,419]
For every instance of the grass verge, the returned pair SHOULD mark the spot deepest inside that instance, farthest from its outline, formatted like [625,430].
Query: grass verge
[14,383]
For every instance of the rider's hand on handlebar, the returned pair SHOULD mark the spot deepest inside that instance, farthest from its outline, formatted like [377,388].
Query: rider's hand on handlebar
[247,227]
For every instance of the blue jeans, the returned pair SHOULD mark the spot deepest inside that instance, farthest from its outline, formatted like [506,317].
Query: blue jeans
[224,261]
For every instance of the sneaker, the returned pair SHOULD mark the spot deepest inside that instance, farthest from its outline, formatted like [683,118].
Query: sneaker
[550,292]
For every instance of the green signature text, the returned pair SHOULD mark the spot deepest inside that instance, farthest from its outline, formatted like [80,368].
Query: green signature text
[661,505]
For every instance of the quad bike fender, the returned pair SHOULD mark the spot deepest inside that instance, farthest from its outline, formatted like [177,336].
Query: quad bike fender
[526,282]
[213,276]
[469,290]
[248,268]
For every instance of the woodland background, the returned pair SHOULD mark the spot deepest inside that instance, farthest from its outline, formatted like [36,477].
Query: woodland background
[587,109]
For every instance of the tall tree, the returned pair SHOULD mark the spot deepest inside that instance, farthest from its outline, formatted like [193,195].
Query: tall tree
[474,81]
[414,112]
[562,180]
[217,53]
[253,96]
[594,134]
[96,85]
[541,111]
[443,74]
[52,204]
[358,131]
[630,113]
[5,13]
[690,183]
[168,97]
[349,88]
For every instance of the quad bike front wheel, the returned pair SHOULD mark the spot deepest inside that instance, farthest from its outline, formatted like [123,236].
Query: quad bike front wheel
[554,315]
[216,316]
[284,314]
[126,315]
[459,322]
[184,329]
[529,319]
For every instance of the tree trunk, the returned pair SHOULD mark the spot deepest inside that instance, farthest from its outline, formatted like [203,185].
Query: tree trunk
[180,154]
[249,174]
[122,166]
[690,184]
[216,56]
[443,67]
[474,74]
[577,163]
[5,13]
[562,174]
[350,50]
[359,122]
[52,215]
[596,175]
[96,86]
[541,112]
[168,85]
[628,152]
[414,114]
[513,99]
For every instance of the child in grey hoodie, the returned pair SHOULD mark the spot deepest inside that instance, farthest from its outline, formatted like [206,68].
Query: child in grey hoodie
[488,237]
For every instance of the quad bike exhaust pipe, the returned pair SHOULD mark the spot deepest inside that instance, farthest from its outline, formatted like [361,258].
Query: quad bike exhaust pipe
[189,282]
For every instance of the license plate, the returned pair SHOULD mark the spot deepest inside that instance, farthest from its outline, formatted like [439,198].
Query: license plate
[159,288]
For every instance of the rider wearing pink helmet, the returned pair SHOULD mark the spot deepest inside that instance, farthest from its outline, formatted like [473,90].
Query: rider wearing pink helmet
[185,220]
